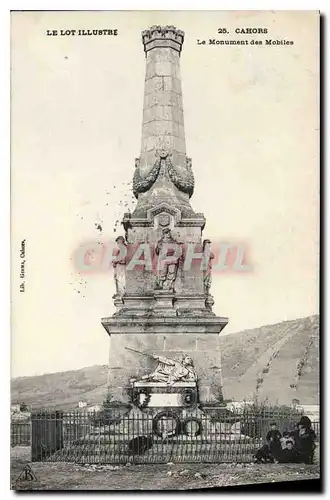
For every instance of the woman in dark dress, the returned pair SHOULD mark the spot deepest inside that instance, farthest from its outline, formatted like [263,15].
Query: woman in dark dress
[306,440]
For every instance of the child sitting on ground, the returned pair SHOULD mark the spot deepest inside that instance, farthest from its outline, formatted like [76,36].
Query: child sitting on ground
[289,454]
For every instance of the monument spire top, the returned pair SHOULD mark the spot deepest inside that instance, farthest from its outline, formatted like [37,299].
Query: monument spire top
[162,36]
[163,173]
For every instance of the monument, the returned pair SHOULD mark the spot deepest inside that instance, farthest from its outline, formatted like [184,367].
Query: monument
[164,336]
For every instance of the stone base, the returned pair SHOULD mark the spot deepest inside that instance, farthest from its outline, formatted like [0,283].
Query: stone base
[163,395]
[163,386]
[202,348]
[187,450]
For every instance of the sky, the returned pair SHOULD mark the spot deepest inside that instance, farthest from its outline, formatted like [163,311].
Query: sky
[252,130]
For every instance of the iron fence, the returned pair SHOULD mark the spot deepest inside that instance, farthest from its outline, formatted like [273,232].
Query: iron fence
[316,428]
[126,435]
[20,433]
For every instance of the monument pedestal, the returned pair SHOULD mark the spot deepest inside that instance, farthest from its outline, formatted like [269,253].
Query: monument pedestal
[167,337]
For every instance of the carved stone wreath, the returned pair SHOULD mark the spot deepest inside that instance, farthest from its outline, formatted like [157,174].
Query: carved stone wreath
[183,183]
[143,184]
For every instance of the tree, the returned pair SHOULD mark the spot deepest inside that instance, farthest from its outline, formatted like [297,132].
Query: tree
[107,400]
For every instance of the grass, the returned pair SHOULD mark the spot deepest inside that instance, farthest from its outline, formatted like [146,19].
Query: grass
[68,476]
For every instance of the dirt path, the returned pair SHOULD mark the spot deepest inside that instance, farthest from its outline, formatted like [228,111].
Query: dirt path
[67,476]
[249,379]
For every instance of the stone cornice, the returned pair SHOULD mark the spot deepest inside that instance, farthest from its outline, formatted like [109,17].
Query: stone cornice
[170,325]
[129,221]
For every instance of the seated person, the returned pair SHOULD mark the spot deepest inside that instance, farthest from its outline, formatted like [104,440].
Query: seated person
[263,455]
[305,440]
[289,454]
[284,438]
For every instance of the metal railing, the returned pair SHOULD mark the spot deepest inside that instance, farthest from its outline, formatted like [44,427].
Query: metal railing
[20,433]
[316,428]
[153,436]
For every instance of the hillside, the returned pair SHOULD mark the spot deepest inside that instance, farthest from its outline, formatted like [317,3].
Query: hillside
[269,354]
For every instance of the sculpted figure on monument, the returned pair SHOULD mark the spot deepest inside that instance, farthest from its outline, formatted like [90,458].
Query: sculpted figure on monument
[207,266]
[169,254]
[171,370]
[119,266]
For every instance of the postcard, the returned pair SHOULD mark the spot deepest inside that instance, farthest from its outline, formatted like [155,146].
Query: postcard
[164,249]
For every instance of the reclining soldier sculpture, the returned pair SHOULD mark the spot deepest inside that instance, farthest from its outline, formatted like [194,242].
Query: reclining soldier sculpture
[169,370]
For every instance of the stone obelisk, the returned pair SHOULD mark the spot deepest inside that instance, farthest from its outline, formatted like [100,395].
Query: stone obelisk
[163,310]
